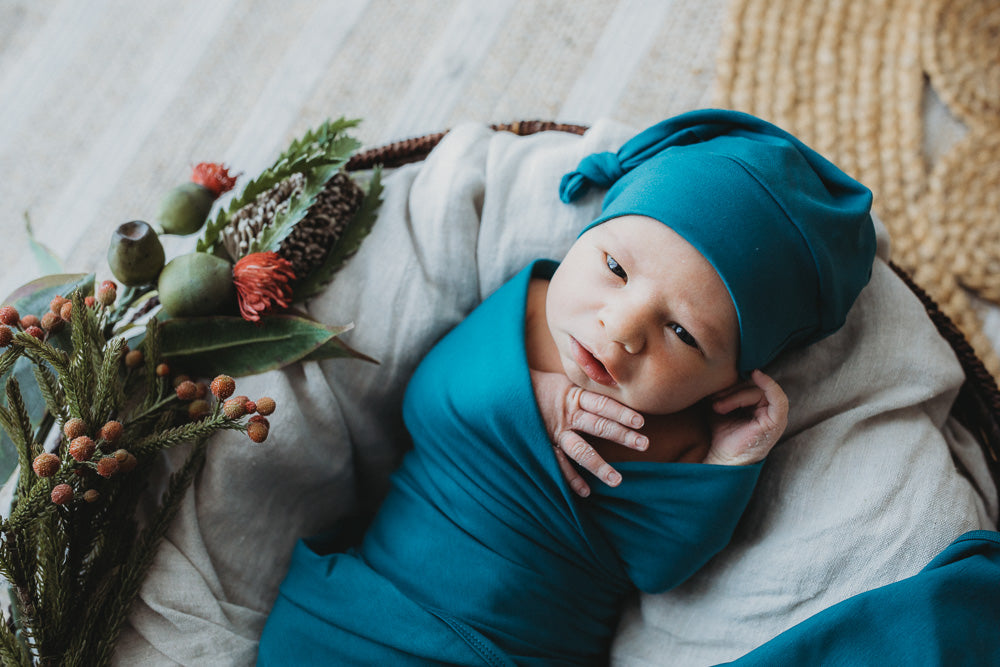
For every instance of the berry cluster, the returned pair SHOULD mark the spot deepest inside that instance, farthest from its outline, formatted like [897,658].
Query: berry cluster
[52,322]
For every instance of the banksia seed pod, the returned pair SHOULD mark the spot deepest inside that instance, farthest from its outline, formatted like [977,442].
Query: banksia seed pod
[187,390]
[6,335]
[62,494]
[74,428]
[9,316]
[111,431]
[265,405]
[257,431]
[46,464]
[107,466]
[223,386]
[82,448]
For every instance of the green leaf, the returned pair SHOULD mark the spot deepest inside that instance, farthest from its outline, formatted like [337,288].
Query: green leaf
[48,261]
[348,243]
[335,348]
[34,298]
[319,154]
[208,346]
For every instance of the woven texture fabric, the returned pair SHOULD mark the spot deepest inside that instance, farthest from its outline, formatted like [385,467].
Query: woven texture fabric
[847,76]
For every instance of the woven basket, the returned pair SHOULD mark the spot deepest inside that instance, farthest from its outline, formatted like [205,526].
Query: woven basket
[978,404]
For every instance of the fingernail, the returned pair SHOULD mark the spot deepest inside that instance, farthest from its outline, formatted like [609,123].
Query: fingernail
[642,442]
[582,491]
[637,421]
[614,479]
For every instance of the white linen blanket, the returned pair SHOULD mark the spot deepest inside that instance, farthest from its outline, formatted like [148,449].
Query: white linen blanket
[863,491]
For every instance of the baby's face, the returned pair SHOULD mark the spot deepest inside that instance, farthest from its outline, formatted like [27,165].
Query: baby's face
[641,316]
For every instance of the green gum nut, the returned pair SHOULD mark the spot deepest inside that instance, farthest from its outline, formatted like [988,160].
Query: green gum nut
[197,284]
[185,209]
[135,254]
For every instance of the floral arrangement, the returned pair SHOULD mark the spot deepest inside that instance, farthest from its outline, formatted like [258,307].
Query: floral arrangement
[93,395]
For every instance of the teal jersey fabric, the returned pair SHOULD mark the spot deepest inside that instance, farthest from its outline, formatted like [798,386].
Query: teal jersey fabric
[947,614]
[481,552]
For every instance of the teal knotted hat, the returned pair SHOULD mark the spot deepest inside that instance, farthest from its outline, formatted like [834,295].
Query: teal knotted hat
[789,233]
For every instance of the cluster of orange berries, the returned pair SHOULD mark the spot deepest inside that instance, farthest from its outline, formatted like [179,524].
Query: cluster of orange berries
[83,449]
[52,322]
[235,407]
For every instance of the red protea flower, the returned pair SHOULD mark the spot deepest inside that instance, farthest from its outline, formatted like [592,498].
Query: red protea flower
[262,282]
[215,177]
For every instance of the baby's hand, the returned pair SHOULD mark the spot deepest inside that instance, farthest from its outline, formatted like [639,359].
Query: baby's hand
[568,411]
[749,418]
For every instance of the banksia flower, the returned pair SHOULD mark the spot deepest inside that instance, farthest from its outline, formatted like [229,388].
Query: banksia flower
[312,237]
[263,281]
[9,316]
[265,405]
[74,428]
[111,431]
[62,494]
[82,448]
[46,464]
[6,335]
[223,387]
[107,466]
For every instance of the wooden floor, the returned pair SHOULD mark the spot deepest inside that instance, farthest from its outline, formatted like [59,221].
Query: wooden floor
[105,104]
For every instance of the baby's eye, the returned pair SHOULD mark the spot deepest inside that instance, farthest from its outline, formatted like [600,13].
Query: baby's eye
[616,268]
[684,335]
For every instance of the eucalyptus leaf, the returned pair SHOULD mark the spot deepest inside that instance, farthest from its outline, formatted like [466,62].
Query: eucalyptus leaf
[207,346]
[335,348]
[34,298]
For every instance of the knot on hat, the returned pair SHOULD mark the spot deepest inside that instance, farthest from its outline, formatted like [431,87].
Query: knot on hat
[601,169]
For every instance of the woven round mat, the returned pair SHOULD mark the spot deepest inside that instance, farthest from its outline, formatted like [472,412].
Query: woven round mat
[848,77]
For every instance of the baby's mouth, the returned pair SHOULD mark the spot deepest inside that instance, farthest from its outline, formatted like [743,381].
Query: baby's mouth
[590,365]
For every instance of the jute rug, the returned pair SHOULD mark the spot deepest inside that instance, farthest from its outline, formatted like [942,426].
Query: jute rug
[848,76]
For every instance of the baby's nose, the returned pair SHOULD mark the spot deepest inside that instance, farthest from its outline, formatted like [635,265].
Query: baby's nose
[626,325]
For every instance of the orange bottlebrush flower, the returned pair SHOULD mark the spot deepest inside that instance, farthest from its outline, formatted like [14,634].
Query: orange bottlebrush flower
[213,176]
[262,282]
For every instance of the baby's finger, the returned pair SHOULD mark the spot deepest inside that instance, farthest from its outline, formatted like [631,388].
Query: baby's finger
[603,427]
[580,451]
[777,401]
[572,477]
[742,398]
[609,408]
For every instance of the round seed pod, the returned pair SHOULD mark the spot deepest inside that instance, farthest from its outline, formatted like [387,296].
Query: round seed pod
[197,284]
[185,208]
[135,254]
